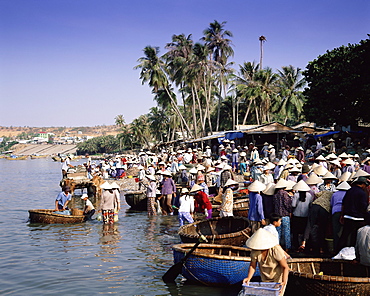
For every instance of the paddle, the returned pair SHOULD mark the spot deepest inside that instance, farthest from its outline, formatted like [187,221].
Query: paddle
[175,270]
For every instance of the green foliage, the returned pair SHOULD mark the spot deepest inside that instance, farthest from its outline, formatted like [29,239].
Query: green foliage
[104,144]
[6,144]
[339,85]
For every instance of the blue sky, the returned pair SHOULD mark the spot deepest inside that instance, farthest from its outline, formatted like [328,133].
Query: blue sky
[70,62]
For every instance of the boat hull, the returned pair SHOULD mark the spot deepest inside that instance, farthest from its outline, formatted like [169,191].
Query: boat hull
[49,217]
[137,200]
[211,265]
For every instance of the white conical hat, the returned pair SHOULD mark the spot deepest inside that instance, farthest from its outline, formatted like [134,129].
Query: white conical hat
[281,184]
[291,160]
[150,177]
[349,161]
[343,186]
[182,167]
[227,167]
[320,158]
[269,165]
[343,155]
[200,167]
[361,173]
[336,162]
[295,170]
[210,169]
[115,186]
[290,185]
[193,171]
[331,156]
[314,165]
[301,186]
[320,170]
[329,175]
[270,189]
[106,186]
[196,187]
[313,179]
[281,162]
[220,166]
[230,182]
[184,190]
[345,177]
[257,186]
[167,173]
[262,240]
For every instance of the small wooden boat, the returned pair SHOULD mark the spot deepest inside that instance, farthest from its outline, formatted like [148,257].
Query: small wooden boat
[137,200]
[38,156]
[49,217]
[21,157]
[213,265]
[318,276]
[232,231]
[241,207]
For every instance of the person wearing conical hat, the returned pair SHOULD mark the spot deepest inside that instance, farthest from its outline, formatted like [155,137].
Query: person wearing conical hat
[256,214]
[186,207]
[354,211]
[293,174]
[331,146]
[335,168]
[283,207]
[300,155]
[151,194]
[348,166]
[108,203]
[242,162]
[301,203]
[202,203]
[270,258]
[336,210]
[286,153]
[328,184]
[271,153]
[266,177]
[235,159]
[304,175]
[321,160]
[226,207]
[225,175]
[167,193]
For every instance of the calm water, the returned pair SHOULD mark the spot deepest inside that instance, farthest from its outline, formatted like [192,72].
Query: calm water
[85,259]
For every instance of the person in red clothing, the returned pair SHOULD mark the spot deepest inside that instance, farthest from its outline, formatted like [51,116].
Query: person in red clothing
[201,200]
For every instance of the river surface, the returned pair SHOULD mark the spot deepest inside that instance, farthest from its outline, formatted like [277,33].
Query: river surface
[83,259]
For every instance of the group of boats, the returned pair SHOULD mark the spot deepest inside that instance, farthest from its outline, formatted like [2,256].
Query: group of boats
[224,261]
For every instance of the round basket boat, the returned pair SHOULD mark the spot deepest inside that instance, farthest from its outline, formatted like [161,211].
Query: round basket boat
[137,200]
[49,217]
[241,207]
[328,277]
[213,265]
[232,231]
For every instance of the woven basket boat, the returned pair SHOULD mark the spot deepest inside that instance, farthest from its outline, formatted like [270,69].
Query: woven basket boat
[213,265]
[241,207]
[329,277]
[49,217]
[232,231]
[137,200]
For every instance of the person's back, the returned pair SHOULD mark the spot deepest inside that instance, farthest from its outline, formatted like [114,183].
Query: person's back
[362,245]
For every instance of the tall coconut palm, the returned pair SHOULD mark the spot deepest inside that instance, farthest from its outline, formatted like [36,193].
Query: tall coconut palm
[262,40]
[158,122]
[291,84]
[152,72]
[216,39]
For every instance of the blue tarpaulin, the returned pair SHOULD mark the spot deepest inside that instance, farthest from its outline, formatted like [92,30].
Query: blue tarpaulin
[234,135]
[326,134]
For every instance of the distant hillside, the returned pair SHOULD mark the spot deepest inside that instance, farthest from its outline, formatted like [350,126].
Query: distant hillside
[101,130]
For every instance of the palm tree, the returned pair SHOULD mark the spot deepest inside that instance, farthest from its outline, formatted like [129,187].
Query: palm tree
[158,122]
[152,72]
[216,39]
[119,120]
[291,85]
[262,39]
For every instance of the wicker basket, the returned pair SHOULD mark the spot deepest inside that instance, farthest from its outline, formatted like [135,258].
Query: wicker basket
[77,212]
[329,277]
[232,231]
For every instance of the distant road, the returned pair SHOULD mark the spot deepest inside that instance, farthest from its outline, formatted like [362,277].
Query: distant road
[44,149]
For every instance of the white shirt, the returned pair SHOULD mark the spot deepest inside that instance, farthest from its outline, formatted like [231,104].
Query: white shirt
[186,204]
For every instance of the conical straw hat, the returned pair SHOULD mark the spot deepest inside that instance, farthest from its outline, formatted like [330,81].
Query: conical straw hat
[345,177]
[270,189]
[230,182]
[315,165]
[320,158]
[200,167]
[210,169]
[269,165]
[290,185]
[193,171]
[281,162]
[336,162]
[291,160]
[343,186]
[227,167]
[281,184]
[313,179]
[262,240]
[257,186]
[301,186]
[195,188]
[115,186]
[320,170]
[295,170]
[361,173]
[348,161]
[329,175]
[106,186]
[182,167]
[331,156]
[343,155]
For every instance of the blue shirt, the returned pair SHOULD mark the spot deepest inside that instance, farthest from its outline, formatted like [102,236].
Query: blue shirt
[62,198]
[336,201]
[255,207]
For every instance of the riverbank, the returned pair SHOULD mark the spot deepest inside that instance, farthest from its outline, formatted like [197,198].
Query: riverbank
[43,149]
